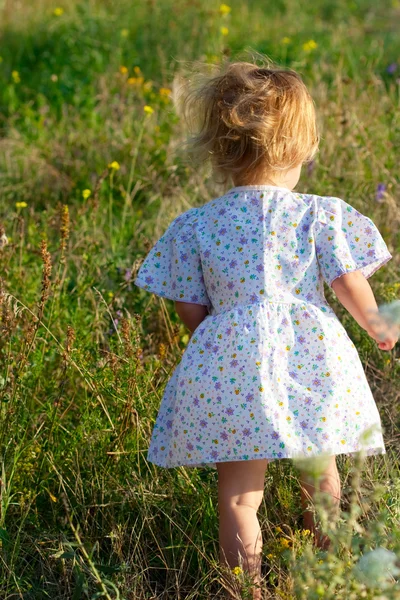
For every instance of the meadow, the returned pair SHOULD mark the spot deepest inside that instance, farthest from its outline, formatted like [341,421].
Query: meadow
[90,177]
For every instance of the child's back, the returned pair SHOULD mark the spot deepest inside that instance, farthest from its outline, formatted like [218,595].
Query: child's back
[271,372]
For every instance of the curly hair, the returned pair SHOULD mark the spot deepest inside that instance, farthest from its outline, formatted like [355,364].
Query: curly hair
[249,119]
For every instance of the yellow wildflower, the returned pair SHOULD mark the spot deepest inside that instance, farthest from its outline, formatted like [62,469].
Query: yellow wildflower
[237,570]
[134,80]
[124,33]
[165,92]
[309,46]
[286,40]
[305,532]
[57,12]
[86,193]
[278,530]
[320,561]
[15,76]
[284,542]
[148,110]
[21,204]
[123,70]
[53,498]
[270,555]
[137,70]
[224,30]
[224,9]
[114,165]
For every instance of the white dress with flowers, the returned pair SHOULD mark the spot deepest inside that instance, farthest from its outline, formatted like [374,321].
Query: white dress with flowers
[270,372]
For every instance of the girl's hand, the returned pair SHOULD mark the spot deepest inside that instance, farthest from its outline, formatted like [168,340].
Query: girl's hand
[387,344]
[384,334]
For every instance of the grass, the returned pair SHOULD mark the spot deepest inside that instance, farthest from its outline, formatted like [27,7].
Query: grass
[84,355]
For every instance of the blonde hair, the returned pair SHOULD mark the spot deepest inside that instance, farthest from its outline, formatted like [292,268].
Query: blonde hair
[249,119]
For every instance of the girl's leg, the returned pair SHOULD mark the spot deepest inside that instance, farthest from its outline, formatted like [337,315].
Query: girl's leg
[240,492]
[329,484]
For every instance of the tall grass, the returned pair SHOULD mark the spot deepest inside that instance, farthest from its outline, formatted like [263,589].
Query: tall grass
[84,355]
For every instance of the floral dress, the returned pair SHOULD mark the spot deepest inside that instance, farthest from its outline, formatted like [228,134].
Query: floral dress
[270,372]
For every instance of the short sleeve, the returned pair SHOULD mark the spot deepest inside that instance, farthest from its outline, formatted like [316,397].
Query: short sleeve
[173,269]
[347,240]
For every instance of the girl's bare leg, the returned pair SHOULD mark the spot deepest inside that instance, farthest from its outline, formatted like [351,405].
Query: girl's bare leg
[330,484]
[240,493]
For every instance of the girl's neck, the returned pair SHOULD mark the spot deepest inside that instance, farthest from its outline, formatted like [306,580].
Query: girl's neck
[286,180]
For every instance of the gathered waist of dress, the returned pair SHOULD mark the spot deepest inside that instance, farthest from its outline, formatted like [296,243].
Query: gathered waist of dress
[299,303]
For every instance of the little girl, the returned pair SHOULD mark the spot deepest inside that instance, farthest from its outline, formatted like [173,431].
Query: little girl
[269,371]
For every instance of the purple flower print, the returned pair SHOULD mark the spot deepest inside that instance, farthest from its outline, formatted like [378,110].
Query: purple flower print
[253,298]
[233,264]
[275,435]
[317,382]
[246,432]
[149,279]
[222,231]
[303,425]
[228,330]
[169,424]
[260,268]
[243,240]
[250,397]
[196,401]
[203,423]
[234,363]
[218,385]
[189,446]
[229,411]
[224,436]
[301,339]
[230,285]
[214,454]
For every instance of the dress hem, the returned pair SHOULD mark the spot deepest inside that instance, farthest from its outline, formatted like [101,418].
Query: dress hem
[213,465]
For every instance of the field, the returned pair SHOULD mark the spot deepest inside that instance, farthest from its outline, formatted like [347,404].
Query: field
[90,177]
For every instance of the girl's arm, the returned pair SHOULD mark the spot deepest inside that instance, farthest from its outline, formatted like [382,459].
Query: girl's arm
[356,295]
[191,314]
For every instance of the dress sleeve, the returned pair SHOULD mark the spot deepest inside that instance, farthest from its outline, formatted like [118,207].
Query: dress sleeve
[173,269]
[347,240]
